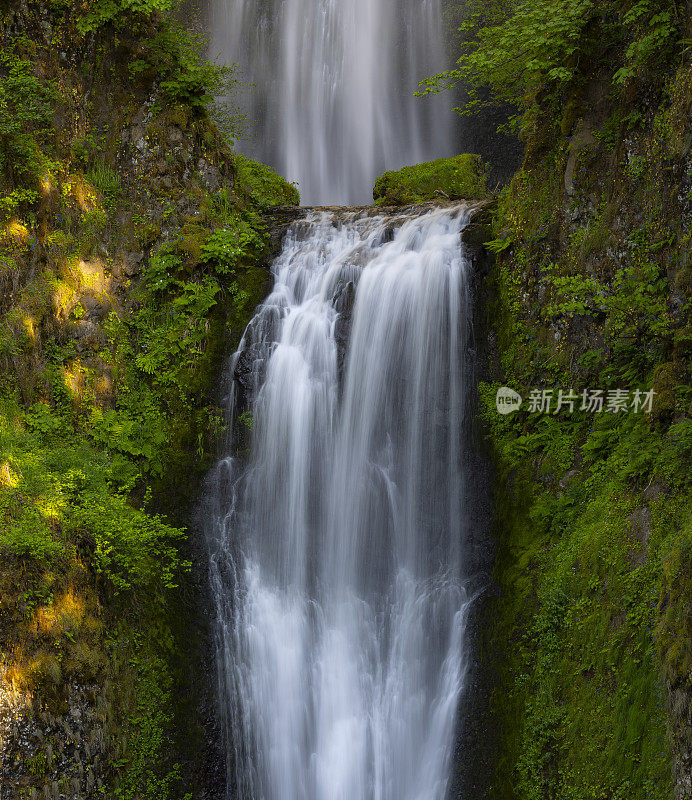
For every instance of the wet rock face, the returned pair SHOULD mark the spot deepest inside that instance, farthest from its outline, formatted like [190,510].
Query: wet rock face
[48,756]
[680,708]
[343,303]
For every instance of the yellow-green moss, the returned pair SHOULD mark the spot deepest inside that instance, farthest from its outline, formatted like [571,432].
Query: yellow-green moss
[459,177]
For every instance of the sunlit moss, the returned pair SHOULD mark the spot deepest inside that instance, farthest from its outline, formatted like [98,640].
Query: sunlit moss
[458,177]
[46,185]
[77,189]
[16,230]
[30,327]
[74,380]
[63,299]
[92,275]
[8,478]
[64,616]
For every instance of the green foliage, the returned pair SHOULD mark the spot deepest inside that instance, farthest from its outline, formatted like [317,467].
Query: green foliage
[520,50]
[581,568]
[637,307]
[632,306]
[226,248]
[136,430]
[176,55]
[594,559]
[163,266]
[675,620]
[656,29]
[593,665]
[41,420]
[57,491]
[196,83]
[575,294]
[536,43]
[498,245]
[459,177]
[106,12]
[26,104]
[145,724]
[165,340]
[106,180]
[132,549]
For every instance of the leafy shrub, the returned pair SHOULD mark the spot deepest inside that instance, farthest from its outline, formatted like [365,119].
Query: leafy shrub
[29,535]
[517,50]
[105,12]
[159,274]
[26,105]
[41,420]
[177,56]
[656,27]
[132,548]
[136,430]
[61,493]
[227,247]
[459,177]
[532,42]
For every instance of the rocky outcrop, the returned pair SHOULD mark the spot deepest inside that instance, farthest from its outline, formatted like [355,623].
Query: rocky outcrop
[53,756]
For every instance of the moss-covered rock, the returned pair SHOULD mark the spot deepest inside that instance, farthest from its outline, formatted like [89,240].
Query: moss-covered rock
[461,177]
[263,184]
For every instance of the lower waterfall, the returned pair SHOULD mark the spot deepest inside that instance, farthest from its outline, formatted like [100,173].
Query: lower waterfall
[336,523]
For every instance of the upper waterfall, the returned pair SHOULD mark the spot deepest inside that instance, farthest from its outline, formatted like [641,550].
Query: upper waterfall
[330,88]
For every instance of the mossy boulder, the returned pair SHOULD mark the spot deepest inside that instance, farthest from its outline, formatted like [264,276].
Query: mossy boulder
[461,177]
[263,185]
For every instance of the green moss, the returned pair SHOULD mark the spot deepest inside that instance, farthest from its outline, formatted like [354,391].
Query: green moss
[666,380]
[592,627]
[180,115]
[190,241]
[580,571]
[459,177]
[261,185]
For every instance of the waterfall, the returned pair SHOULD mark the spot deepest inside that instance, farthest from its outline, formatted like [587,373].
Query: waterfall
[330,88]
[336,522]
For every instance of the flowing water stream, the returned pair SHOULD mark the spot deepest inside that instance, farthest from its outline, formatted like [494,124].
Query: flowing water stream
[336,526]
[330,87]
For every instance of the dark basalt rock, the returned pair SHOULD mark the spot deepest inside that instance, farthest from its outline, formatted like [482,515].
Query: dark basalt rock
[343,303]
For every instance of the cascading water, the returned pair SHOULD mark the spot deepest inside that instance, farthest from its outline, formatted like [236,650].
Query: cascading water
[337,541]
[330,87]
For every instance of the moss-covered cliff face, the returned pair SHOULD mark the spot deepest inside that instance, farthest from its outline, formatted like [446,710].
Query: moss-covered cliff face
[591,633]
[132,252]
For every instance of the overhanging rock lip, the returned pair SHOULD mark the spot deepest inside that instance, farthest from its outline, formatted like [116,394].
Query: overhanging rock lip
[476,233]
[374,210]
